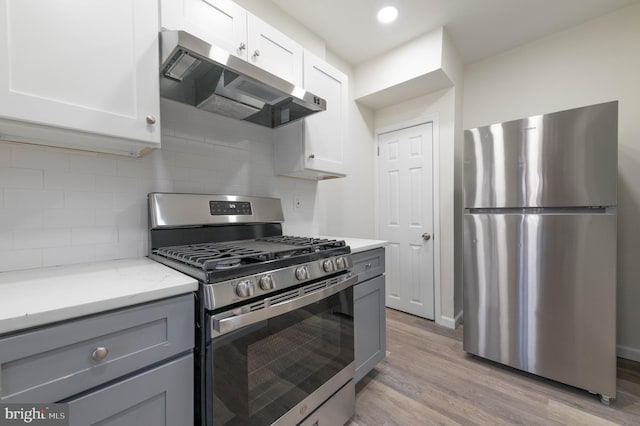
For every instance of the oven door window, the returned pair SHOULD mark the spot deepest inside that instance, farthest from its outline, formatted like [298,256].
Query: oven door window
[258,373]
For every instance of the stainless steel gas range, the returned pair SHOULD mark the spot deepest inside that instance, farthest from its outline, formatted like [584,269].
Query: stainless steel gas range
[274,328]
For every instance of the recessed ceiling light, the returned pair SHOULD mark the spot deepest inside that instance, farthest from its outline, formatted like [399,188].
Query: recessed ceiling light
[387,14]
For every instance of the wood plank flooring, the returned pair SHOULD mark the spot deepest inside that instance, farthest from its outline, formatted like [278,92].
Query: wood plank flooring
[428,379]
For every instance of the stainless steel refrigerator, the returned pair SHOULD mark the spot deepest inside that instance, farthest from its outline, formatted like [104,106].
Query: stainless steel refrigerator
[540,245]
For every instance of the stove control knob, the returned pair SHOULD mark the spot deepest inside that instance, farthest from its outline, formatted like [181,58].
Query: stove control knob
[245,288]
[327,265]
[266,282]
[341,262]
[302,273]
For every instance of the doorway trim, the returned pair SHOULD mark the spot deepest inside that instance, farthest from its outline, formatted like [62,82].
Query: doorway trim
[423,119]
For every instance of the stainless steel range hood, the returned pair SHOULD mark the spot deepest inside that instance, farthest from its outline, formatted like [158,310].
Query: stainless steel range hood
[207,77]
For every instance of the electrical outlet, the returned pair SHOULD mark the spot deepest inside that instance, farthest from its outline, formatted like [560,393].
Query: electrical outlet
[297,202]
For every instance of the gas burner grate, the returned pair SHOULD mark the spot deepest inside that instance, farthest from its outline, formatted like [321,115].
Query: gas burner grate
[214,256]
[318,243]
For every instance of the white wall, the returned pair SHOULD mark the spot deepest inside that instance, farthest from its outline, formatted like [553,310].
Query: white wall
[453,66]
[345,206]
[595,62]
[61,206]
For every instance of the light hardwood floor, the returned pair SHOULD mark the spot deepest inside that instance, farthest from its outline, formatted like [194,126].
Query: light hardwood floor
[427,379]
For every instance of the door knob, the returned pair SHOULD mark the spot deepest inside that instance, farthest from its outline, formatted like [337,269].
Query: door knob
[426,236]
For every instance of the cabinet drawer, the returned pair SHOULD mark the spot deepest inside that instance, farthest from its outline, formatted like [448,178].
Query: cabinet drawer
[52,363]
[160,396]
[368,264]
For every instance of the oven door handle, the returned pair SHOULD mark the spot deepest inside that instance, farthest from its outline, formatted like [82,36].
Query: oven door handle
[226,325]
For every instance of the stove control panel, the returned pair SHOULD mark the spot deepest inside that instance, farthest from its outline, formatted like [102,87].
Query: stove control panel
[224,208]
[225,293]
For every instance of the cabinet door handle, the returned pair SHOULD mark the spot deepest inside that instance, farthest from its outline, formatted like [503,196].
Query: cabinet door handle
[151,119]
[368,265]
[312,156]
[256,53]
[242,46]
[99,353]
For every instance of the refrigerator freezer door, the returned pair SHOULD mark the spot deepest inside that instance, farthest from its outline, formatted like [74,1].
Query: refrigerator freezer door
[540,295]
[563,159]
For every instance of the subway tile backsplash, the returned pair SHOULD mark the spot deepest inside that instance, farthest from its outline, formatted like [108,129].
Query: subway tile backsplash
[60,206]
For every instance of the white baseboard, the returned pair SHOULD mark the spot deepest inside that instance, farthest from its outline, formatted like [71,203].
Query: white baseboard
[628,353]
[449,322]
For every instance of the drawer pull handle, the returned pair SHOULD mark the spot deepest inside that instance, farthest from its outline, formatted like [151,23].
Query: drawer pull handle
[368,265]
[100,353]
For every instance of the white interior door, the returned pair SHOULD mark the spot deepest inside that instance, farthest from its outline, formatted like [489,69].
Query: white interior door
[406,217]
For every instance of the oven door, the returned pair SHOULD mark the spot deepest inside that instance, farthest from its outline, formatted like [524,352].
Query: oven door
[281,362]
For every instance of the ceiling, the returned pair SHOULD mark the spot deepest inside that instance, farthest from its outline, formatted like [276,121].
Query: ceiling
[478,28]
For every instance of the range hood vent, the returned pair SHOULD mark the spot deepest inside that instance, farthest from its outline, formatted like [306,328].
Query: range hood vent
[207,77]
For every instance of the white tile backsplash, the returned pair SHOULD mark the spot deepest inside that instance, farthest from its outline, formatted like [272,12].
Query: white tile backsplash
[33,199]
[20,218]
[40,238]
[69,181]
[13,259]
[94,235]
[60,206]
[95,165]
[32,158]
[68,255]
[11,177]
[117,184]
[67,218]
[134,168]
[123,250]
[5,156]
[6,240]
[88,200]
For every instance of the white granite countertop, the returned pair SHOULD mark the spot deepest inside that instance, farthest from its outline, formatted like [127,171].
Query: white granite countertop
[359,244]
[35,297]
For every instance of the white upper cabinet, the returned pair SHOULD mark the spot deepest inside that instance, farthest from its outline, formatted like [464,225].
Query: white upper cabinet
[314,148]
[80,74]
[224,24]
[219,22]
[273,51]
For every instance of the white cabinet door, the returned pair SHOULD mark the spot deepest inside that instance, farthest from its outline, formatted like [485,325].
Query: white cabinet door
[219,22]
[81,66]
[273,51]
[326,132]
[315,147]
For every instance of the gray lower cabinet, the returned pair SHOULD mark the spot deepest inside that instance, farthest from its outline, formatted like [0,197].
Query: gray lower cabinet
[111,368]
[369,311]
